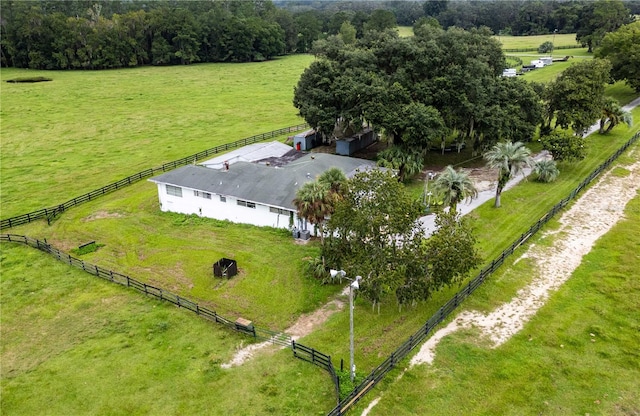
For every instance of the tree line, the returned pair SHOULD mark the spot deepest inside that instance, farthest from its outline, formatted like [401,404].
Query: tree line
[518,18]
[44,36]
[85,34]
[113,34]
[535,17]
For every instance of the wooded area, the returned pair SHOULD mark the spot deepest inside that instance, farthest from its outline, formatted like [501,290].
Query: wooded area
[85,34]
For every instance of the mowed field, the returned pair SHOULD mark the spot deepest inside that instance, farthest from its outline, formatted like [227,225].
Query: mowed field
[525,42]
[86,342]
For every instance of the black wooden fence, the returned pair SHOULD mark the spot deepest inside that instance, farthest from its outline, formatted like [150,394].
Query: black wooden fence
[319,359]
[414,340]
[278,338]
[52,212]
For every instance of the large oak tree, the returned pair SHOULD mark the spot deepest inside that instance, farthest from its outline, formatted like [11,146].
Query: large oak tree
[417,91]
[622,49]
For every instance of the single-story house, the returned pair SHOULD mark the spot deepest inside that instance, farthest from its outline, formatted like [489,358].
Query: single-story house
[259,193]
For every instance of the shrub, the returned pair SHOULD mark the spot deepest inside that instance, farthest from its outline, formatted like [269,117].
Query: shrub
[546,47]
[564,146]
[86,249]
[546,171]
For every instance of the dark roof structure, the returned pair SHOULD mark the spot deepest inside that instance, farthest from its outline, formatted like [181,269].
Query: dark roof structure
[269,185]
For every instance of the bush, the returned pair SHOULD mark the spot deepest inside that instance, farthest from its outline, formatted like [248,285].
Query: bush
[86,249]
[546,171]
[546,47]
[564,146]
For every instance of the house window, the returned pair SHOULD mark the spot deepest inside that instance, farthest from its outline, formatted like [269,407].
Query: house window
[246,203]
[174,190]
[205,195]
[279,211]
[223,198]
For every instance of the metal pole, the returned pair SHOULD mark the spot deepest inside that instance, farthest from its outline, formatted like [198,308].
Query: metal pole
[353,366]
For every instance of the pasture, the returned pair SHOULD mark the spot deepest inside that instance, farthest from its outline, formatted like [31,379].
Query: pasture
[86,129]
[99,348]
[405,31]
[525,42]
[63,141]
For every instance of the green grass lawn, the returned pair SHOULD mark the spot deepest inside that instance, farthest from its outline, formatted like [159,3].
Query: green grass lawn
[522,42]
[552,366]
[73,344]
[86,129]
[176,252]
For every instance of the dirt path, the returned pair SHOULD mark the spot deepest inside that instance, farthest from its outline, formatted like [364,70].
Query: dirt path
[588,219]
[305,325]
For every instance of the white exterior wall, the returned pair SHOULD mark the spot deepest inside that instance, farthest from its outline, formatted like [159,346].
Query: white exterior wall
[214,208]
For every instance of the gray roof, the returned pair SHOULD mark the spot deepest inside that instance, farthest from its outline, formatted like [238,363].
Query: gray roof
[273,186]
[249,153]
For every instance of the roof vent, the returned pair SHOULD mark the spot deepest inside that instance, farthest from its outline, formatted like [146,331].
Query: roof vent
[308,175]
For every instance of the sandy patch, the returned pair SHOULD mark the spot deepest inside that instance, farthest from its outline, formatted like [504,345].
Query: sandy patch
[246,353]
[581,226]
[305,325]
[98,215]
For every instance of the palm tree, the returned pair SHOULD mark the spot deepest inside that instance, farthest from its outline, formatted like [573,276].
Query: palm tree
[455,187]
[546,170]
[510,159]
[334,180]
[315,202]
[407,162]
[614,114]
